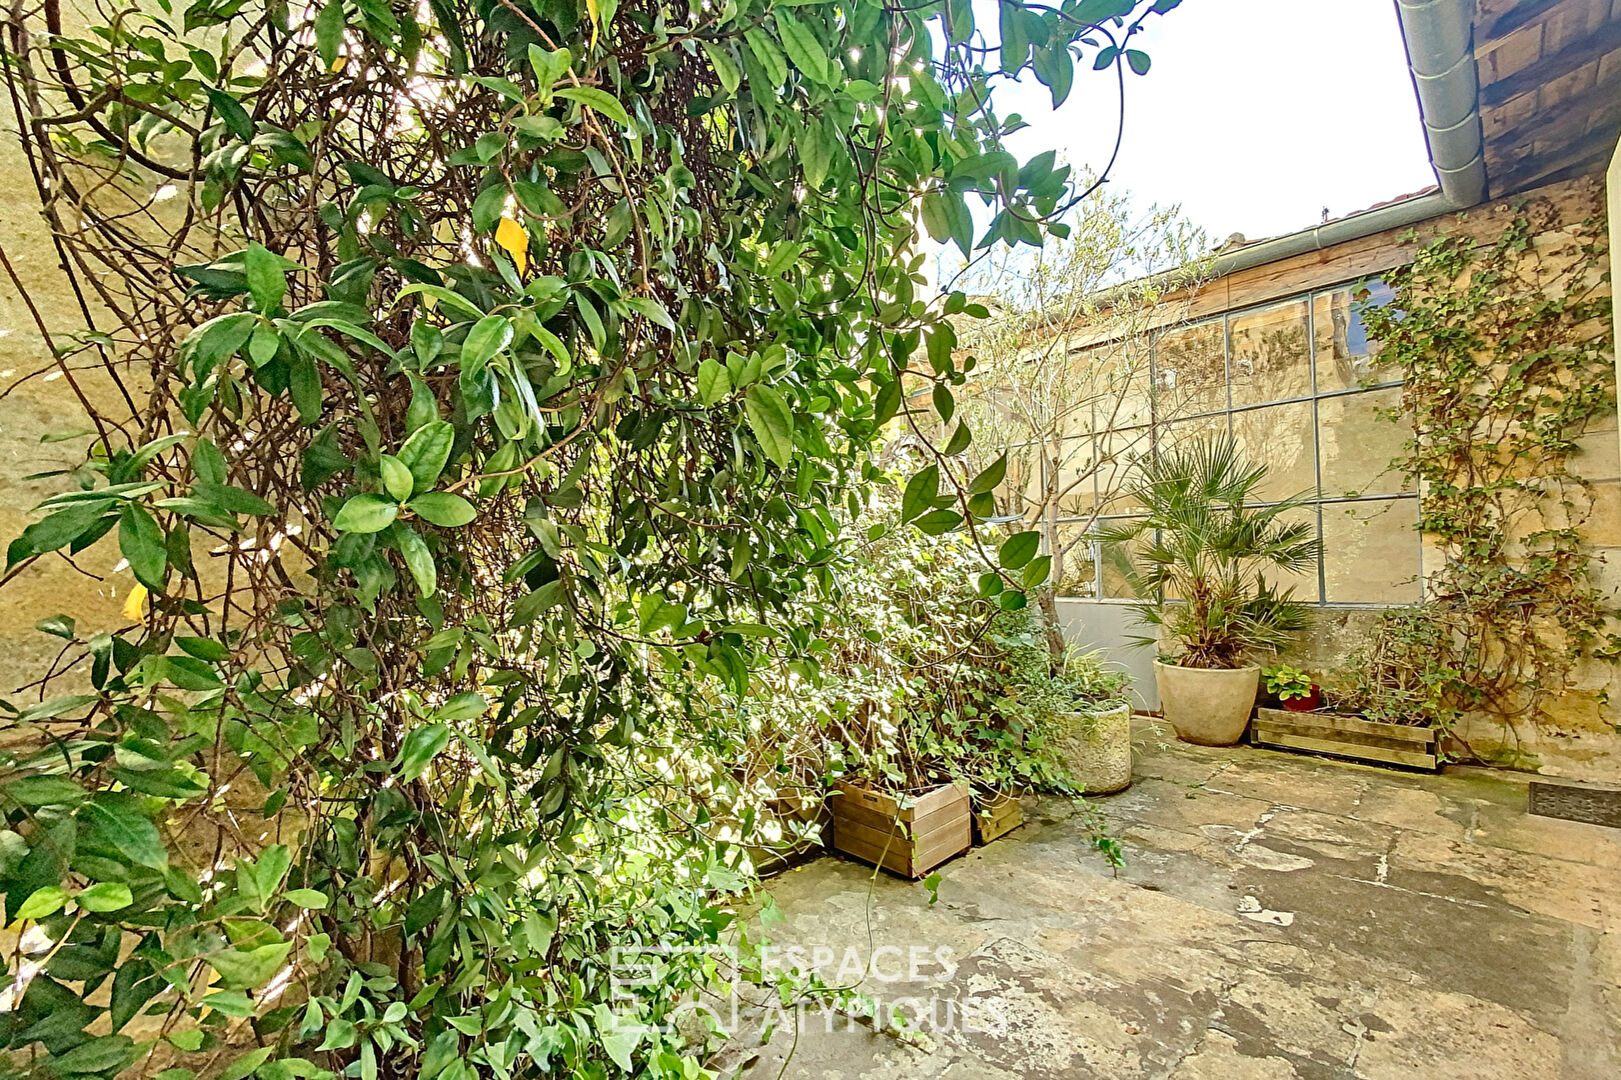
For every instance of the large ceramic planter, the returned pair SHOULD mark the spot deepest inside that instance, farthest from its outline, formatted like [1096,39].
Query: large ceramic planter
[1096,749]
[1208,706]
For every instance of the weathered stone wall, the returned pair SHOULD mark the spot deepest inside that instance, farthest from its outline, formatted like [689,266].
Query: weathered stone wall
[1579,733]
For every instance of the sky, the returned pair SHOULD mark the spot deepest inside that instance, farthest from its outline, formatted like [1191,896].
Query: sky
[1254,116]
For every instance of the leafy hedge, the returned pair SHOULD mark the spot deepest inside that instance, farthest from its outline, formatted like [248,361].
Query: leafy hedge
[468,387]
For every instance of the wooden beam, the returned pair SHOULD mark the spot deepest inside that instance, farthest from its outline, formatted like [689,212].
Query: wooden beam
[1545,123]
[1523,13]
[1580,159]
[1585,50]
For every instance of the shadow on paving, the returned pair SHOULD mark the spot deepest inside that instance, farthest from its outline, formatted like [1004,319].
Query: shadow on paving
[1280,916]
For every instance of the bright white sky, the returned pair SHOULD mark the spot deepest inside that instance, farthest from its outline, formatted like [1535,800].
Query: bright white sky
[1255,115]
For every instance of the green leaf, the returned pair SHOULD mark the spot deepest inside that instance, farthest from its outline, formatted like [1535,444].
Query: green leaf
[111,826]
[598,100]
[426,452]
[991,478]
[768,56]
[1015,35]
[714,381]
[366,513]
[488,336]
[104,1054]
[329,27]
[107,896]
[1037,571]
[43,902]
[422,745]
[245,969]
[467,705]
[802,47]
[1138,60]
[1019,549]
[443,509]
[217,339]
[771,421]
[235,117]
[61,626]
[140,538]
[43,791]
[397,480]
[267,281]
[921,491]
[308,899]
[418,559]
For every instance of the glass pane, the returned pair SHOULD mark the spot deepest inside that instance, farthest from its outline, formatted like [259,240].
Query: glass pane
[1077,475]
[1021,488]
[1280,437]
[1074,571]
[1358,445]
[1183,432]
[1114,562]
[1115,381]
[1370,552]
[1190,371]
[1304,582]
[1117,453]
[1271,357]
[1346,359]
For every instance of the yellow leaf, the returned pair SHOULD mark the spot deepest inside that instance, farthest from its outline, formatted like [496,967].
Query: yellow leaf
[338,63]
[512,236]
[135,605]
[591,9]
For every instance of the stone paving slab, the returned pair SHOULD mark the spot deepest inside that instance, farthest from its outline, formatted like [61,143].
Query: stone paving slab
[1280,916]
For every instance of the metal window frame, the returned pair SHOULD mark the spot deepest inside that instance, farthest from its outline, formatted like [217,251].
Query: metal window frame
[1316,395]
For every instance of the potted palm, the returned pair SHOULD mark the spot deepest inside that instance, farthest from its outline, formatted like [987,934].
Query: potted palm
[1202,552]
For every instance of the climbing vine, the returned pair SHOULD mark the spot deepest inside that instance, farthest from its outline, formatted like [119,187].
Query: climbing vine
[1504,349]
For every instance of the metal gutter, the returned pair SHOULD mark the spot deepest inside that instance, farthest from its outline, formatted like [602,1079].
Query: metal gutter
[1439,35]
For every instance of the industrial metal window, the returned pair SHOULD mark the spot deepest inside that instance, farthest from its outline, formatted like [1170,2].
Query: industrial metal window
[1298,384]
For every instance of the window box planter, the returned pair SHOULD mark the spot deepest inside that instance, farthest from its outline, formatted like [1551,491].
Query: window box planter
[996,815]
[1374,741]
[910,840]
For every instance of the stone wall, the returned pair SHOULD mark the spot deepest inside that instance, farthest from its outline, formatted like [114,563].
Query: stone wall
[1579,733]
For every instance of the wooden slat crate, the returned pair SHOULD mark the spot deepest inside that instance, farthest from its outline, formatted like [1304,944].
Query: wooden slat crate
[995,816]
[909,841]
[1346,736]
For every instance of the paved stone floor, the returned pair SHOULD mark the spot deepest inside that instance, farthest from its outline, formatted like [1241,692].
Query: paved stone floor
[1280,916]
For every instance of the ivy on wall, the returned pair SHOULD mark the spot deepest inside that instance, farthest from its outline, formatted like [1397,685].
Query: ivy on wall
[1505,350]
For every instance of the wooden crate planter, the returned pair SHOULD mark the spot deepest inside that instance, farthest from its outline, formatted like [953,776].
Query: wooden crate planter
[909,841]
[1346,736]
[995,816]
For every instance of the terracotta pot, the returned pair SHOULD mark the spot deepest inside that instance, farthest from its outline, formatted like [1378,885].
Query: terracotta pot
[1310,703]
[1096,749]
[1208,706]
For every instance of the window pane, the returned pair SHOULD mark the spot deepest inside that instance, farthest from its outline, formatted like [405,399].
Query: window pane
[1074,571]
[1190,371]
[1304,582]
[1077,475]
[1021,488]
[1370,552]
[1280,437]
[1271,357]
[1116,383]
[1358,445]
[1346,359]
[1117,451]
[1114,562]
